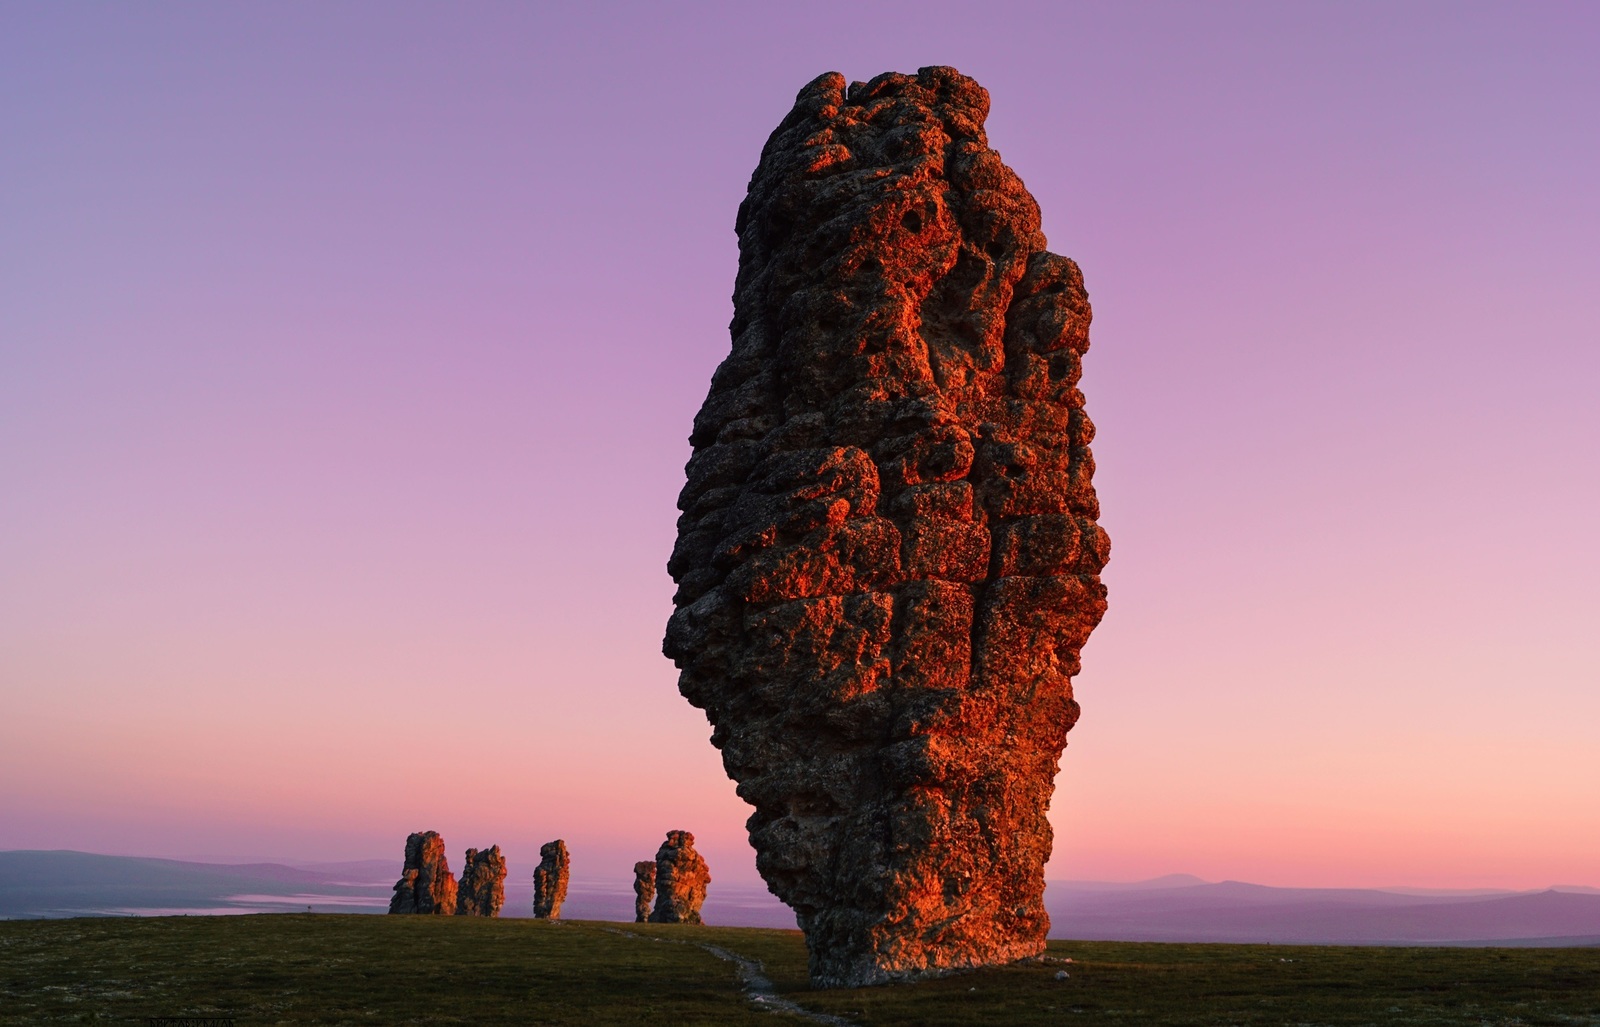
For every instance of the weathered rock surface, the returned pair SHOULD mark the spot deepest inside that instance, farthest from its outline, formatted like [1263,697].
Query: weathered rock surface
[482,890]
[888,556]
[681,880]
[426,884]
[644,889]
[550,880]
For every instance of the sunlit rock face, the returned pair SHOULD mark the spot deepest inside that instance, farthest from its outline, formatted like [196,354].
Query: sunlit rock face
[426,884]
[681,880]
[644,889]
[550,880]
[482,890]
[888,556]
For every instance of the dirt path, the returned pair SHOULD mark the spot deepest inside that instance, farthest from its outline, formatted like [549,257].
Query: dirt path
[752,979]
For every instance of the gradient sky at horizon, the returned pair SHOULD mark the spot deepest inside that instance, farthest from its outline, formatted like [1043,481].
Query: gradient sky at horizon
[347,355]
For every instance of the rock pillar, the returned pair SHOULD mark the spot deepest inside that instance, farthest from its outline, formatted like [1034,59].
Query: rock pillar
[482,890]
[681,880]
[426,884]
[550,880]
[888,557]
[644,889]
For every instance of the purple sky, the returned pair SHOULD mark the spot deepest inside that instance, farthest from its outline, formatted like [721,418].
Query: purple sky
[347,355]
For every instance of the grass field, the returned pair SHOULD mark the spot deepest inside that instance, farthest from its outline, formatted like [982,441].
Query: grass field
[301,969]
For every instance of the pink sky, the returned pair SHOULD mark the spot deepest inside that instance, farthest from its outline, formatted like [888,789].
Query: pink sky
[347,356]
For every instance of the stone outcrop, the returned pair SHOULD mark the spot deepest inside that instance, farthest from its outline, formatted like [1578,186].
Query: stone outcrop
[888,556]
[482,890]
[426,884]
[550,880]
[681,880]
[644,889]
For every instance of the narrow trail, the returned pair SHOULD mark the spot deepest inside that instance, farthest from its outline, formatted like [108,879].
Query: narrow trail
[752,979]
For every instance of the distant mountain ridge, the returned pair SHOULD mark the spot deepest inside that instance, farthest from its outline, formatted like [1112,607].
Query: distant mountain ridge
[1234,911]
[57,883]
[1177,907]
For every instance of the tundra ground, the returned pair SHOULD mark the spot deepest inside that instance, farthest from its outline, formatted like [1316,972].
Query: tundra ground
[330,969]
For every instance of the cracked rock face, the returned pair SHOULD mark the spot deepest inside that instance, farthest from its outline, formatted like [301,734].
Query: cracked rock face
[550,880]
[426,884]
[681,880]
[888,556]
[644,889]
[482,890]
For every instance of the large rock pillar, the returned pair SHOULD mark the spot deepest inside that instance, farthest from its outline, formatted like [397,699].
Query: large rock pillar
[426,884]
[482,889]
[550,880]
[888,556]
[681,880]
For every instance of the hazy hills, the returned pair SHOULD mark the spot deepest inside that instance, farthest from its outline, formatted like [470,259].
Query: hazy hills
[37,884]
[65,883]
[1231,911]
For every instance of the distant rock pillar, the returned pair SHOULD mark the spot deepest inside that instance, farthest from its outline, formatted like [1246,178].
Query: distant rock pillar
[681,879]
[644,889]
[483,883]
[426,884]
[550,880]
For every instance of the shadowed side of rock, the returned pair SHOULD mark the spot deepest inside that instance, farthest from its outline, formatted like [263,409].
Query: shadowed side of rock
[550,880]
[482,889]
[888,557]
[426,884]
[644,889]
[681,880]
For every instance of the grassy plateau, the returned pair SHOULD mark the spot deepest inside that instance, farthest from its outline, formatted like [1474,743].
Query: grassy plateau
[329,969]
